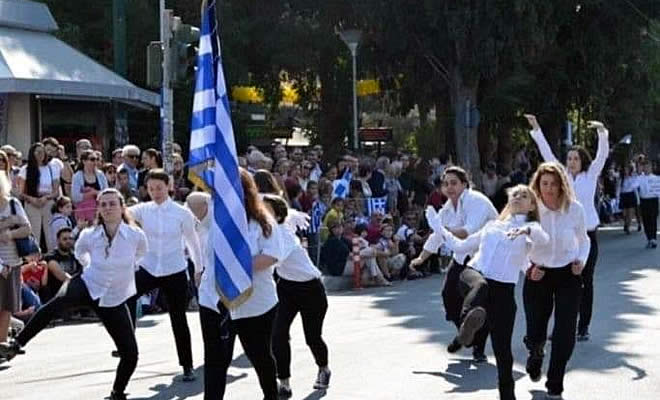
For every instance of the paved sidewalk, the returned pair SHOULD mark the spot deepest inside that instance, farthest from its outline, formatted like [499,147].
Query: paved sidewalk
[385,343]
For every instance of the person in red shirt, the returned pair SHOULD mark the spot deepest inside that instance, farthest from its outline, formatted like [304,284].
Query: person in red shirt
[35,273]
[437,199]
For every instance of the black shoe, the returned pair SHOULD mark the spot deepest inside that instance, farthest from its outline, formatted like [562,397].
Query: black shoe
[454,346]
[639,228]
[9,350]
[553,396]
[583,337]
[534,360]
[117,396]
[115,354]
[479,358]
[189,375]
[472,322]
[322,379]
[284,391]
[626,230]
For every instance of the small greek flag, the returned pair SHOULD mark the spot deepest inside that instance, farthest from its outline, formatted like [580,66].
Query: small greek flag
[376,204]
[318,210]
[214,167]
[343,185]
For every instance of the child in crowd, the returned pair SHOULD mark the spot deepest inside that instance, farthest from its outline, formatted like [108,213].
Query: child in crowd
[371,273]
[389,259]
[63,218]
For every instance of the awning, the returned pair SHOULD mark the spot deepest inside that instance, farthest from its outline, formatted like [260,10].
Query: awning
[37,62]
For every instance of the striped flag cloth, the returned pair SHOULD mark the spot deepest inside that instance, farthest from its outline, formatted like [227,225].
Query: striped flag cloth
[318,209]
[376,204]
[343,185]
[214,167]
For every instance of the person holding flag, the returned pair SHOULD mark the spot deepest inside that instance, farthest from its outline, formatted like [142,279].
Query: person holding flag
[237,294]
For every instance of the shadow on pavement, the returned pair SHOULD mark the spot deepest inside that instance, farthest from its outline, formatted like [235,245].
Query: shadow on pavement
[315,395]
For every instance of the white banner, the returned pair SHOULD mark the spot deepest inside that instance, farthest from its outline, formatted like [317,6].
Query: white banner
[4,118]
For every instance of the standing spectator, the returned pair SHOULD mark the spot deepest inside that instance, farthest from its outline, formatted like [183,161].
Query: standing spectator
[88,182]
[305,170]
[117,157]
[39,184]
[14,170]
[151,159]
[314,159]
[110,172]
[180,176]
[52,147]
[4,163]
[437,199]
[310,196]
[99,160]
[377,180]
[14,224]
[393,187]
[131,156]
[82,145]
[124,185]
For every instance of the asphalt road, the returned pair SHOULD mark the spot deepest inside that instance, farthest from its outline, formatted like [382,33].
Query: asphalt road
[385,343]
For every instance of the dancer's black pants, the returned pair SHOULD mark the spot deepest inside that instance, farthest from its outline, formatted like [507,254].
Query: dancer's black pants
[116,321]
[308,299]
[175,287]
[559,290]
[587,298]
[649,209]
[501,310]
[219,333]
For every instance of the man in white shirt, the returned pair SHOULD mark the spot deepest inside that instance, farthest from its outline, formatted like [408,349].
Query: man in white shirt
[167,226]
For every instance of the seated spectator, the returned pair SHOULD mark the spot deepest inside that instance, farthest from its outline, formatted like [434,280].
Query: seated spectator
[62,218]
[373,228]
[335,251]
[61,263]
[30,303]
[389,259]
[371,272]
[335,215]
[34,274]
[410,241]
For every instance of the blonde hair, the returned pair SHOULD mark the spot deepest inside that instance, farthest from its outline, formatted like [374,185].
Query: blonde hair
[566,195]
[5,184]
[532,215]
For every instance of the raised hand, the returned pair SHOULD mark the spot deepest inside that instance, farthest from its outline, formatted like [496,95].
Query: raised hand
[595,125]
[531,119]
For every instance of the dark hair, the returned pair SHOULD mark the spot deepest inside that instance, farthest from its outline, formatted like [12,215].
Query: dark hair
[266,182]
[293,191]
[122,171]
[254,207]
[59,203]
[158,174]
[460,174]
[109,166]
[63,230]
[86,154]
[32,173]
[153,153]
[585,158]
[279,206]
[359,228]
[125,216]
[50,141]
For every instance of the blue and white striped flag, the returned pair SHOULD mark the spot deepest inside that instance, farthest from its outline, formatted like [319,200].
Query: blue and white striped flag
[214,167]
[376,204]
[318,209]
[343,185]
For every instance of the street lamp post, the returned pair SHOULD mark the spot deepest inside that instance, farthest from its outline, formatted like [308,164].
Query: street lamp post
[352,39]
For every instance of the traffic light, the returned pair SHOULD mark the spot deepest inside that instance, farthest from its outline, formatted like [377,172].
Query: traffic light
[183,50]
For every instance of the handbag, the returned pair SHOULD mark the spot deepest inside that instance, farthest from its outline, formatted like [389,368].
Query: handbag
[27,245]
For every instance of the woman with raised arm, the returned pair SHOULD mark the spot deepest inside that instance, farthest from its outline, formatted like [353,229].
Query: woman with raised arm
[583,174]
[554,280]
[502,252]
[109,251]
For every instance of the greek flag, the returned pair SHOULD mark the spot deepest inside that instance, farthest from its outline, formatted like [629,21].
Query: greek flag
[214,167]
[318,209]
[376,204]
[343,185]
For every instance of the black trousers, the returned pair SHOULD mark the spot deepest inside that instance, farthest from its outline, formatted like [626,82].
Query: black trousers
[308,299]
[116,321]
[464,289]
[559,290]
[175,287]
[649,209]
[587,297]
[501,318]
[219,333]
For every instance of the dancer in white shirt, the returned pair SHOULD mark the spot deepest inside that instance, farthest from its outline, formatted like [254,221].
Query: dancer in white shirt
[554,281]
[109,251]
[465,212]
[168,226]
[502,248]
[300,290]
[252,320]
[648,204]
[583,173]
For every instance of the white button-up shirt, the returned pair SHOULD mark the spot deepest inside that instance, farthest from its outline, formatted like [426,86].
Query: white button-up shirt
[568,237]
[584,184]
[296,264]
[629,183]
[498,257]
[168,226]
[264,291]
[473,211]
[109,272]
[645,186]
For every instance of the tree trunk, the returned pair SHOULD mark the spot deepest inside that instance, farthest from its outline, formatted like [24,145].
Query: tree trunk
[504,147]
[332,112]
[467,149]
[442,114]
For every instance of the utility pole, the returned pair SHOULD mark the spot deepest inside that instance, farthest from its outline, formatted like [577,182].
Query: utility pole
[167,107]
[119,63]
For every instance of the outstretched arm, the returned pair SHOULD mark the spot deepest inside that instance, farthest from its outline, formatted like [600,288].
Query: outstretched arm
[539,139]
[603,148]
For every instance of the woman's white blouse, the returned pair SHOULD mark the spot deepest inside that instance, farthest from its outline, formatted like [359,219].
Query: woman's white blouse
[645,191]
[296,264]
[568,237]
[109,271]
[584,184]
[264,291]
[630,183]
[497,257]
[473,211]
